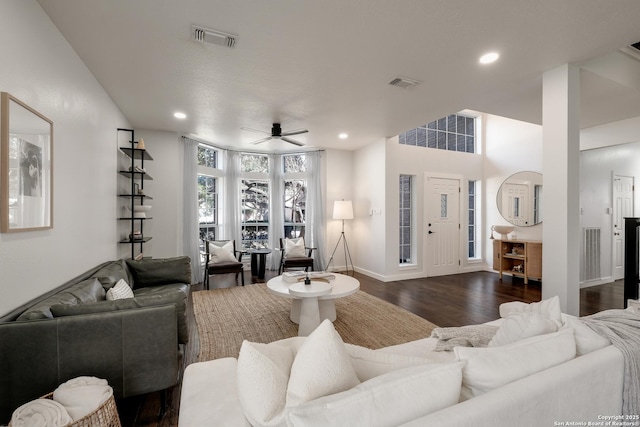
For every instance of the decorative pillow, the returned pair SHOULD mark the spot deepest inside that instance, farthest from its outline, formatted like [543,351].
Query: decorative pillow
[120,290]
[294,248]
[549,308]
[587,340]
[222,253]
[387,400]
[263,375]
[369,363]
[321,367]
[491,367]
[519,326]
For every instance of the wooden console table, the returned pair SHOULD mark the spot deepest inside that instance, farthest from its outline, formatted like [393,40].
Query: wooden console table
[519,258]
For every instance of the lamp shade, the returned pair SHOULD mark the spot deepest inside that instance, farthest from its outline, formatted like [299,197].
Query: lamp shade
[342,209]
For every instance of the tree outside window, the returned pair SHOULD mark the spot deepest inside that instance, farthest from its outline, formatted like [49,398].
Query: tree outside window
[255,213]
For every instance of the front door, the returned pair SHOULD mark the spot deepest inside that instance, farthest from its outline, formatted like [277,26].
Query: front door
[622,207]
[442,225]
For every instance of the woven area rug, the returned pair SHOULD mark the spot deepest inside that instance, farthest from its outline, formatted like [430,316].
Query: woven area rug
[226,317]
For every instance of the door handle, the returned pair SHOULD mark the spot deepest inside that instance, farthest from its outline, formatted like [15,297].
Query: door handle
[431,232]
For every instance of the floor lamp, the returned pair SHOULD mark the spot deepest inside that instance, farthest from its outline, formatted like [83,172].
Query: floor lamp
[342,209]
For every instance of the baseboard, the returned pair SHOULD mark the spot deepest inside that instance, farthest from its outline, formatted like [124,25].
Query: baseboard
[602,281]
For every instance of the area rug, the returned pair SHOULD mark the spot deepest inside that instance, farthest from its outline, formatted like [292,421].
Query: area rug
[226,317]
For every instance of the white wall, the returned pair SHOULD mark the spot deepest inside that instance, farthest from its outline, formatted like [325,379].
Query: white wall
[339,179]
[597,168]
[368,242]
[41,69]
[510,146]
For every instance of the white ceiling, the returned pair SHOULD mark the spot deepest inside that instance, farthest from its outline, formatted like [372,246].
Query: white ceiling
[324,65]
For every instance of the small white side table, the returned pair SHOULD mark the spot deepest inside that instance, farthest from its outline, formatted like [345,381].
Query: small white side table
[309,308]
[634,304]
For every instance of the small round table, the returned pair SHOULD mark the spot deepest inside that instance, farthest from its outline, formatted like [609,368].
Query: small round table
[258,262]
[341,286]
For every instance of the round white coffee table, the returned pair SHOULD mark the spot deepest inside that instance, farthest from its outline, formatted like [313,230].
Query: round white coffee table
[309,308]
[341,286]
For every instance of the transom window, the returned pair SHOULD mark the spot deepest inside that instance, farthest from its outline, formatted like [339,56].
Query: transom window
[454,132]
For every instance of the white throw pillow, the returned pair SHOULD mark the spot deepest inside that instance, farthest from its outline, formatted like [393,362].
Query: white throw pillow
[519,326]
[369,363]
[263,374]
[492,367]
[321,367]
[549,308]
[222,253]
[294,248]
[120,290]
[387,400]
[587,340]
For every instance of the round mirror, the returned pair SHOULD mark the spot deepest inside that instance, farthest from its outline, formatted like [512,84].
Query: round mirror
[520,199]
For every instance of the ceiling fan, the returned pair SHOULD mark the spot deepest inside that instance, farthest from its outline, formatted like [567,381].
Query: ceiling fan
[276,133]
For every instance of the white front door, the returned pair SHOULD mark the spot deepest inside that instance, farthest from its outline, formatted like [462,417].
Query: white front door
[442,225]
[515,201]
[622,207]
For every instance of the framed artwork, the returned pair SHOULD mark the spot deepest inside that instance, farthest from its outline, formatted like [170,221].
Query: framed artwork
[26,167]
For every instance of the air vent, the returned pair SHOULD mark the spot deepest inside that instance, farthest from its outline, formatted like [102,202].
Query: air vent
[205,35]
[403,82]
[632,50]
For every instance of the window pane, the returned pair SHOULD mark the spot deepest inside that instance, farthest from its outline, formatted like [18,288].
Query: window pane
[295,197]
[255,213]
[295,163]
[254,163]
[411,137]
[293,231]
[401,138]
[208,207]
[421,137]
[443,206]
[207,156]
[432,139]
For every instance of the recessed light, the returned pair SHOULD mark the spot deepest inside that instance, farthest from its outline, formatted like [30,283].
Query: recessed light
[343,136]
[490,57]
[179,115]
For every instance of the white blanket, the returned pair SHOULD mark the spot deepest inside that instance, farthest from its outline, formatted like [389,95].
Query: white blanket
[83,395]
[41,413]
[622,327]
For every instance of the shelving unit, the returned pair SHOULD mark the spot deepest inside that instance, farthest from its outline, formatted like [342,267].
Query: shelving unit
[135,194]
[519,258]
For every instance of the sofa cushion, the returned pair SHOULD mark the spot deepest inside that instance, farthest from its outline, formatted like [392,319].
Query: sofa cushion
[549,308]
[389,400]
[369,363]
[587,340]
[120,290]
[519,326]
[176,293]
[86,291]
[110,273]
[321,367]
[157,272]
[491,367]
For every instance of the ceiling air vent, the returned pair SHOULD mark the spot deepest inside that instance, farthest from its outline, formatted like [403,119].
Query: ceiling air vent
[205,35]
[632,50]
[403,82]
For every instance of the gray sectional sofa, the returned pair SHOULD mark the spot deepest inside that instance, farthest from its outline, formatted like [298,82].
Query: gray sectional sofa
[73,330]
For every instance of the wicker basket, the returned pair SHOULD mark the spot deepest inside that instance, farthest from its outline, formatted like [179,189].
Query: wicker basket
[105,416]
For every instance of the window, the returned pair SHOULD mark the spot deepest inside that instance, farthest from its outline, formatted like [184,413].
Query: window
[295,195]
[254,163]
[472,219]
[208,192]
[405,218]
[255,213]
[454,132]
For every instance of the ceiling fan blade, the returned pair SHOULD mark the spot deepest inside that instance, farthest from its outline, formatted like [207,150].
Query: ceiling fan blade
[294,132]
[262,140]
[255,130]
[292,141]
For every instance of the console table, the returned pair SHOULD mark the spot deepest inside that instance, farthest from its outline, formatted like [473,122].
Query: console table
[519,258]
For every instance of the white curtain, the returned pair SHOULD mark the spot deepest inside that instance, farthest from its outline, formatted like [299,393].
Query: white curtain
[276,213]
[231,202]
[315,227]
[190,227]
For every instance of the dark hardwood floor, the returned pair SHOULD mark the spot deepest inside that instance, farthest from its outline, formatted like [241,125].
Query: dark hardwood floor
[457,300]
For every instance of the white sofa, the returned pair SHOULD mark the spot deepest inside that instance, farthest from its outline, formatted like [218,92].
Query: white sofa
[585,388]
